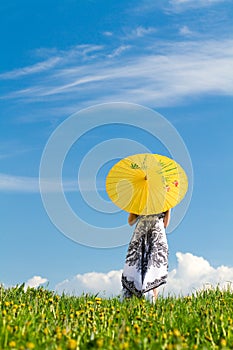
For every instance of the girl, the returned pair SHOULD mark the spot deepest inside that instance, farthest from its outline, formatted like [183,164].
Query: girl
[146,262]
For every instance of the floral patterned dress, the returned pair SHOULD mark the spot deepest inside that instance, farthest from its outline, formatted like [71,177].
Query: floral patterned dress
[146,262]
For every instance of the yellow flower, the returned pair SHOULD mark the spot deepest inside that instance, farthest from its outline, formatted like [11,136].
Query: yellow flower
[30,345]
[124,345]
[46,331]
[71,344]
[223,342]
[7,303]
[169,347]
[99,343]
[59,335]
[12,344]
[176,332]
[98,299]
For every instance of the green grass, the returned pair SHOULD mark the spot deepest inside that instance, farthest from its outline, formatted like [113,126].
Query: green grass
[40,319]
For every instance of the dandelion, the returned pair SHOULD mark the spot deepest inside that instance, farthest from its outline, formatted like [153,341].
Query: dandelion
[99,343]
[71,344]
[59,335]
[124,345]
[98,299]
[169,347]
[46,331]
[127,329]
[12,344]
[176,332]
[223,342]
[30,345]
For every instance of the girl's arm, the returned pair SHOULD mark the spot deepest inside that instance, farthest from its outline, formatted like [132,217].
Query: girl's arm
[166,219]
[132,219]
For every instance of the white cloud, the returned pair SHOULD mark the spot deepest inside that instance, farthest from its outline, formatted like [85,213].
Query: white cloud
[107,33]
[35,282]
[185,31]
[165,74]
[186,4]
[23,184]
[146,6]
[18,183]
[105,284]
[193,273]
[118,51]
[141,31]
[36,68]
[59,58]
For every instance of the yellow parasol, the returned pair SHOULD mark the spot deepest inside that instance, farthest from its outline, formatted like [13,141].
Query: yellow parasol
[146,184]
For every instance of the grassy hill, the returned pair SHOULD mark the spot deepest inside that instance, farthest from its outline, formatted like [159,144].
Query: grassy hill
[40,319]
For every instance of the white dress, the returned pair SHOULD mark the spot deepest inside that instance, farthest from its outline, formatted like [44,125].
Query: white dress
[146,264]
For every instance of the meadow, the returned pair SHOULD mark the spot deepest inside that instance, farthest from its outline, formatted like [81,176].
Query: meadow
[40,319]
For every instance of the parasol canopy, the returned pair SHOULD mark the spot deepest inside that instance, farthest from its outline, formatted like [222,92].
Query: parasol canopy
[146,184]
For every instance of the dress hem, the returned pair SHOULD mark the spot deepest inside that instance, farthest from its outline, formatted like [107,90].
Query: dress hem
[139,293]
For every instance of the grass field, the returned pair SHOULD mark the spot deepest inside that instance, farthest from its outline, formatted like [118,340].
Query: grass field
[40,319]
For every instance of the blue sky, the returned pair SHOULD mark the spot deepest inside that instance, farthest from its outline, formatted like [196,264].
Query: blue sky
[59,57]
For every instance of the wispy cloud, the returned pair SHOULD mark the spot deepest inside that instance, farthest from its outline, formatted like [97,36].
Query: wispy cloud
[192,274]
[146,6]
[59,58]
[23,184]
[186,31]
[165,75]
[183,5]
[119,50]
[107,33]
[33,69]
[198,2]
[141,31]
